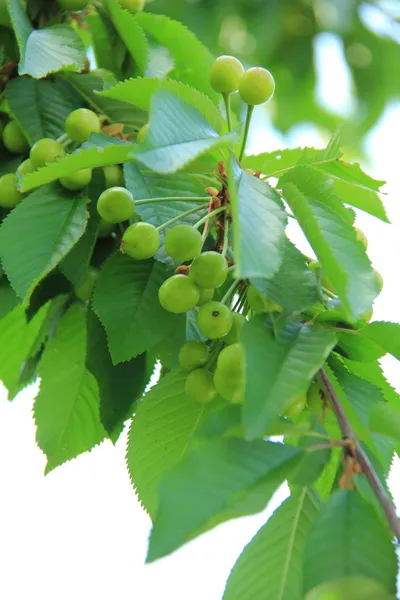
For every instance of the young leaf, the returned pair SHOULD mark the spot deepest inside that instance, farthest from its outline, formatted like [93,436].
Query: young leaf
[349,539]
[386,334]
[326,225]
[119,385]
[294,286]
[359,347]
[16,338]
[126,302]
[168,148]
[270,566]
[139,91]
[191,67]
[259,222]
[8,298]
[67,407]
[372,372]
[159,437]
[189,496]
[40,107]
[100,151]
[278,370]
[131,33]
[314,460]
[385,419]
[46,224]
[47,50]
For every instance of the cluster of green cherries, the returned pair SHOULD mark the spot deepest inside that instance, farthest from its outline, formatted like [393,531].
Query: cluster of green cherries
[79,125]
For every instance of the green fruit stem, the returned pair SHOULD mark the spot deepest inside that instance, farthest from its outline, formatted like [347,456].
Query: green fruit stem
[173,199]
[64,139]
[250,110]
[226,237]
[181,216]
[208,216]
[227,102]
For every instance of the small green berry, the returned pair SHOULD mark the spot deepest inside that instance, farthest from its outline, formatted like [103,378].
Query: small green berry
[143,131]
[209,270]
[133,6]
[9,194]
[140,241]
[114,176]
[105,229]
[77,181]
[205,295]
[295,406]
[80,123]
[13,138]
[183,242]
[259,303]
[214,320]
[116,204]
[200,387]
[226,73]
[45,151]
[178,294]
[192,355]
[73,4]
[84,291]
[25,168]
[256,86]
[361,237]
[229,388]
[238,320]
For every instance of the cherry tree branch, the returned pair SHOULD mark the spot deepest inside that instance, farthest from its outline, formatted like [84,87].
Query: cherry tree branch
[364,462]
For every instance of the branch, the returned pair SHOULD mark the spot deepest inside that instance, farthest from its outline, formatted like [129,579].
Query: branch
[365,464]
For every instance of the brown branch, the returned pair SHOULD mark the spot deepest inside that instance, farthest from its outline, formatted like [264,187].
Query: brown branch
[365,464]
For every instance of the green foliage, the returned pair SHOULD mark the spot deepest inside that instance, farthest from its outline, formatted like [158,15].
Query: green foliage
[270,341]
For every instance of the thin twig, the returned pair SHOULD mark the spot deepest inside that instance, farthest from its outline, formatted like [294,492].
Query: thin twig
[364,462]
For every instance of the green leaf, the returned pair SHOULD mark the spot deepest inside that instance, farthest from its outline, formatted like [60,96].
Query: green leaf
[189,497]
[167,149]
[8,297]
[40,107]
[386,334]
[47,224]
[102,42]
[191,66]
[372,372]
[131,33]
[294,286]
[66,409]
[349,539]
[120,386]
[100,151]
[259,222]
[385,419]
[270,566]
[47,50]
[325,223]
[126,302]
[139,91]
[314,461]
[16,338]
[145,185]
[159,437]
[358,346]
[279,370]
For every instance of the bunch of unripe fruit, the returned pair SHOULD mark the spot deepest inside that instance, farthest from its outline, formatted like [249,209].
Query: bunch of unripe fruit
[79,125]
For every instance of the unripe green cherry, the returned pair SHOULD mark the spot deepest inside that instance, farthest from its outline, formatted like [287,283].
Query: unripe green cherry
[192,355]
[379,279]
[143,131]
[140,241]
[295,406]
[230,389]
[84,291]
[105,229]
[238,320]
[361,237]
[214,320]
[114,176]
[73,4]
[45,151]
[314,399]
[205,296]
[226,73]
[24,168]
[13,138]
[9,194]
[200,387]
[80,123]
[133,6]
[259,303]
[183,242]
[178,294]
[256,86]
[315,267]
[77,181]
[209,270]
[116,205]
[231,361]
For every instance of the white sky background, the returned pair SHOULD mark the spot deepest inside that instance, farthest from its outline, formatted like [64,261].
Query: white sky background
[79,532]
